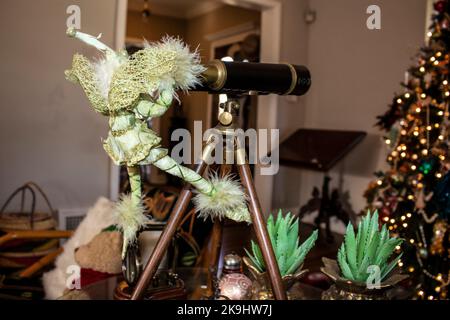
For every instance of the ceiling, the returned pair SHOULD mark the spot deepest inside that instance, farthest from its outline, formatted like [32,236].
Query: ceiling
[185,9]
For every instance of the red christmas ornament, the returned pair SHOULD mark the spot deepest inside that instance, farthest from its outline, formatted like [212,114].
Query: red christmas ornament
[440,6]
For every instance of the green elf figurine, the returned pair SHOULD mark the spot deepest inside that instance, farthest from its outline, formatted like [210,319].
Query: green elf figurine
[132,89]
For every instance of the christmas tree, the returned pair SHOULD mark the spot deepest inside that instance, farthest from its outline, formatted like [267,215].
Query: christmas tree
[413,196]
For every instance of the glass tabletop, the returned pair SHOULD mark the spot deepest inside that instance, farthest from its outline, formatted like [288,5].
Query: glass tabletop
[195,282]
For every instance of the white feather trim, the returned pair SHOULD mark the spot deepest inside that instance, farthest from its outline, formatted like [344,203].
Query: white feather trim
[130,218]
[187,64]
[228,199]
[104,69]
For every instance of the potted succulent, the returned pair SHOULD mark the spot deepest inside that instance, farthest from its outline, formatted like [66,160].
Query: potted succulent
[363,270]
[284,236]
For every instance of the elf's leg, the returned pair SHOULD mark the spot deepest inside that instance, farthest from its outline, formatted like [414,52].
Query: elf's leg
[130,210]
[217,197]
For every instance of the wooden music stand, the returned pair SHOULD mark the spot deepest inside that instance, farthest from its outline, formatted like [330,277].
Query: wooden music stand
[320,151]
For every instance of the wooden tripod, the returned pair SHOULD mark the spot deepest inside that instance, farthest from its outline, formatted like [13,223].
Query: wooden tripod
[227,128]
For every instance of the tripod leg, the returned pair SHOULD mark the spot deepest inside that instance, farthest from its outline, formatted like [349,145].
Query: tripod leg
[261,233]
[165,238]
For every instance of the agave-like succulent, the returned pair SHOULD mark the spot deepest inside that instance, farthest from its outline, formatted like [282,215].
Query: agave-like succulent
[285,242]
[370,247]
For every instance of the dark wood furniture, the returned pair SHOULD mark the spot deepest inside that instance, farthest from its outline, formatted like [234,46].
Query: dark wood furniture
[320,150]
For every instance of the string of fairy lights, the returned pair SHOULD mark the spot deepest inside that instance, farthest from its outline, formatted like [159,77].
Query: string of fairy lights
[414,127]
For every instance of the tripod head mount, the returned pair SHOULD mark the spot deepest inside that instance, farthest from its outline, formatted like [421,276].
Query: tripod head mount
[228,111]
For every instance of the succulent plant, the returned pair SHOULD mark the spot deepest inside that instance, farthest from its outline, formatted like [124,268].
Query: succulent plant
[285,242]
[370,247]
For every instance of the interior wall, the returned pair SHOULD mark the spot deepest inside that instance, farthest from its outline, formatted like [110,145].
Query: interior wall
[155,27]
[355,72]
[48,132]
[291,110]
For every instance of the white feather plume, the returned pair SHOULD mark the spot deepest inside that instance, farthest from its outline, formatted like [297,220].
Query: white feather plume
[104,69]
[186,73]
[130,218]
[228,199]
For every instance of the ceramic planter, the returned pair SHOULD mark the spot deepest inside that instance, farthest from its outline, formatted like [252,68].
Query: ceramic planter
[262,289]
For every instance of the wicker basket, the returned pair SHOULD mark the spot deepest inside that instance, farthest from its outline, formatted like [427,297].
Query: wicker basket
[24,252]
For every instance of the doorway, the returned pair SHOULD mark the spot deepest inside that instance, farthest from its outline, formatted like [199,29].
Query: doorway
[269,12]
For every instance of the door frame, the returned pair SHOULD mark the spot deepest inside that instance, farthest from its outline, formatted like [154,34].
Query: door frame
[271,11]
[119,43]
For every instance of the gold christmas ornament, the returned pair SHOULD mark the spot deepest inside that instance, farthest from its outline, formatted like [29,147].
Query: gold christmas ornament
[437,242]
